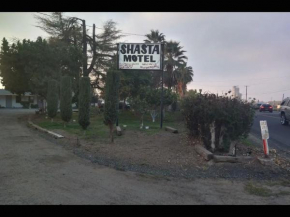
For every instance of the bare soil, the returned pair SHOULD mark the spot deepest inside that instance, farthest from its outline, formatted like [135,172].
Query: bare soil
[171,155]
[38,169]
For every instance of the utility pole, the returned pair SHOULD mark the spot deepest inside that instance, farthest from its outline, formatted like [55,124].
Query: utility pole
[85,64]
[246,93]
[283,97]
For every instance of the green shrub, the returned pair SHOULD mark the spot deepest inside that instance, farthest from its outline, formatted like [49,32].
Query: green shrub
[52,98]
[25,105]
[84,102]
[111,101]
[218,121]
[34,105]
[66,99]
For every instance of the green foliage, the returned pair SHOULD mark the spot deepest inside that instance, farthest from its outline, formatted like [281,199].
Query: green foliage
[52,98]
[232,118]
[34,105]
[25,105]
[84,102]
[111,100]
[148,98]
[12,66]
[66,98]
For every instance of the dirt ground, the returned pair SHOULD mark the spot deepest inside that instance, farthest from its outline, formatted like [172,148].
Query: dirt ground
[168,154]
[37,169]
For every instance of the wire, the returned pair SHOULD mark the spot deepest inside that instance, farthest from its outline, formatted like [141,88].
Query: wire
[95,26]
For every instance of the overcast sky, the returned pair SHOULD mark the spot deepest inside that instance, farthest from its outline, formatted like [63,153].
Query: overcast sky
[224,49]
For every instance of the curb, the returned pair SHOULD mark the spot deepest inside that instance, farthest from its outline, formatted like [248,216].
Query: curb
[53,134]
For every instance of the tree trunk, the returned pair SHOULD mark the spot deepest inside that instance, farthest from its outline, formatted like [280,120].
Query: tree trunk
[124,105]
[141,125]
[232,150]
[112,133]
[221,137]
[212,131]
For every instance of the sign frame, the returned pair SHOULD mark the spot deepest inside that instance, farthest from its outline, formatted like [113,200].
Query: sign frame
[161,57]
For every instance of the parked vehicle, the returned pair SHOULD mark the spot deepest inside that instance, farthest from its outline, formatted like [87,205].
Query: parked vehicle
[127,105]
[285,111]
[257,106]
[266,107]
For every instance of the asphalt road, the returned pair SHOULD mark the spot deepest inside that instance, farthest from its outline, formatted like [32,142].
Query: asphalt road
[279,134]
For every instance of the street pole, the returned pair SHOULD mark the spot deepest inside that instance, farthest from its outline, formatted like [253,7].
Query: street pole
[84,50]
[246,94]
[161,107]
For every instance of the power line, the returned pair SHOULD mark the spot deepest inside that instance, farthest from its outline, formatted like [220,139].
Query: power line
[126,33]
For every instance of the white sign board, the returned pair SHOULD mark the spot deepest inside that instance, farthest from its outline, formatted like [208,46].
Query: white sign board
[140,56]
[264,129]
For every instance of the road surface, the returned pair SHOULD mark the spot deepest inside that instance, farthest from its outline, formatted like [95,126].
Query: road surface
[279,134]
[36,171]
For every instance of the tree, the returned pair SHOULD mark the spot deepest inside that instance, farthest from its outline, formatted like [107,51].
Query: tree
[184,75]
[101,51]
[131,81]
[111,101]
[52,99]
[218,121]
[66,99]
[12,66]
[174,58]
[155,37]
[84,102]
[27,66]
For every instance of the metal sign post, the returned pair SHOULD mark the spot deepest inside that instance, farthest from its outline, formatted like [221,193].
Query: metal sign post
[161,104]
[265,137]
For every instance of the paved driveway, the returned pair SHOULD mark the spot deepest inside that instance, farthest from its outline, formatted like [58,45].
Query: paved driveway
[36,171]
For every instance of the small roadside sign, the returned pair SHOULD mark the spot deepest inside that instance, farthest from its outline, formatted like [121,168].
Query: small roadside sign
[265,136]
[264,129]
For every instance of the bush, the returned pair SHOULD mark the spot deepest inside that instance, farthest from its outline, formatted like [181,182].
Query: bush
[52,98]
[111,100]
[84,102]
[34,105]
[25,105]
[218,121]
[66,99]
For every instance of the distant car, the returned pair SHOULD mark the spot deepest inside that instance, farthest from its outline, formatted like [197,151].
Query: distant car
[257,106]
[127,105]
[285,111]
[266,107]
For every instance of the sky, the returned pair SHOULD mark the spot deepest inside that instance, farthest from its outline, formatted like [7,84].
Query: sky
[224,49]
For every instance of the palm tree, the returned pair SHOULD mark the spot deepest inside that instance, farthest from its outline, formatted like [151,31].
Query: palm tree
[155,37]
[174,58]
[184,75]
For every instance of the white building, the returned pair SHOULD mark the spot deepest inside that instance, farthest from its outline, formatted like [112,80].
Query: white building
[10,100]
[236,92]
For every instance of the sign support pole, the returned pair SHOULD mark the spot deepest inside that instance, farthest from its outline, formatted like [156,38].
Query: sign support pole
[161,107]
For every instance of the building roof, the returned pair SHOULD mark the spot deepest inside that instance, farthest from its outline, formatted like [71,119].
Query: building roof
[8,93]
